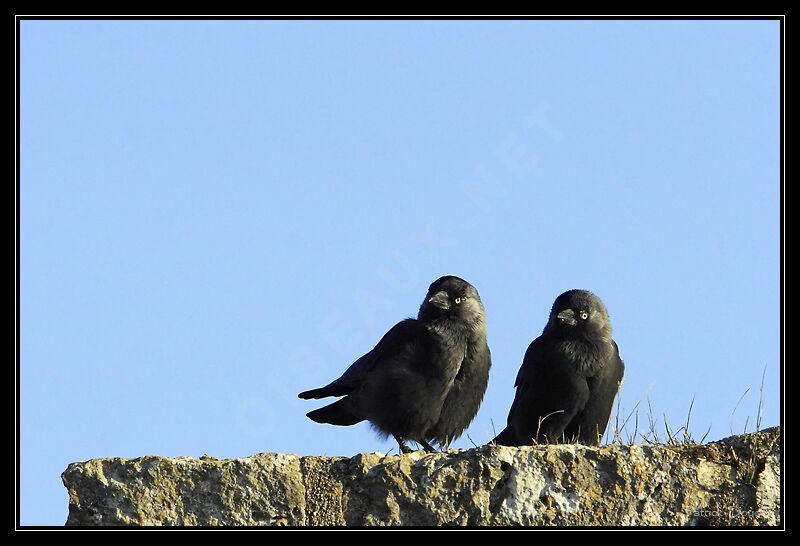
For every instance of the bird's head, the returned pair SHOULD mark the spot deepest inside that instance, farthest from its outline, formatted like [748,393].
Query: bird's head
[580,313]
[453,297]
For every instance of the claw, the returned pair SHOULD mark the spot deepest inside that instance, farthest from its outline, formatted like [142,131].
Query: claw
[429,448]
[403,446]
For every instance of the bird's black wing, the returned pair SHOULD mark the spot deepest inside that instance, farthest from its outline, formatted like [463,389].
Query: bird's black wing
[522,384]
[464,397]
[549,395]
[590,423]
[398,387]
[401,334]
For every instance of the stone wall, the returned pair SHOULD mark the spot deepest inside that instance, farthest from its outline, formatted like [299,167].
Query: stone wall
[735,481]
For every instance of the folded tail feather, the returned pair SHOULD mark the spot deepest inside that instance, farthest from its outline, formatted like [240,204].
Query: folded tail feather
[314,393]
[333,389]
[334,414]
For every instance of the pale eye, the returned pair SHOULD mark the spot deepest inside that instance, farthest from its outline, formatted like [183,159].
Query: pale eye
[584,315]
[458,300]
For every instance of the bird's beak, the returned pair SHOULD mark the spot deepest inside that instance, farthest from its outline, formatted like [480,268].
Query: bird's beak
[567,316]
[440,300]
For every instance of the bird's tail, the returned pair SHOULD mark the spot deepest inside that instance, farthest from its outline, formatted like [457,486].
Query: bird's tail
[334,414]
[336,388]
[506,438]
[322,392]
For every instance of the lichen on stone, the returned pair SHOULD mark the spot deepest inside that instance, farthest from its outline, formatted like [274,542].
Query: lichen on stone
[735,481]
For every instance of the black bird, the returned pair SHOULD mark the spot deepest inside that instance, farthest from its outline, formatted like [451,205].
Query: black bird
[568,378]
[401,384]
[469,386]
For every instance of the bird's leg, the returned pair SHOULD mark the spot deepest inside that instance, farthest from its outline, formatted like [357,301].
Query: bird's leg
[403,447]
[429,448]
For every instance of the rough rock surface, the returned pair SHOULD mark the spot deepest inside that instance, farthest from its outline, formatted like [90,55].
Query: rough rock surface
[735,481]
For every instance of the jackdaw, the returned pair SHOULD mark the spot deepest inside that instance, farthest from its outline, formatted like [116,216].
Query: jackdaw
[568,378]
[401,384]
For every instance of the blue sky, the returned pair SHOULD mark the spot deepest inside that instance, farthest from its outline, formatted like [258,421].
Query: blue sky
[217,215]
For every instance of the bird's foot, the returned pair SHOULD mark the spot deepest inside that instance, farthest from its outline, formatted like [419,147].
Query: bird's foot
[403,446]
[429,448]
